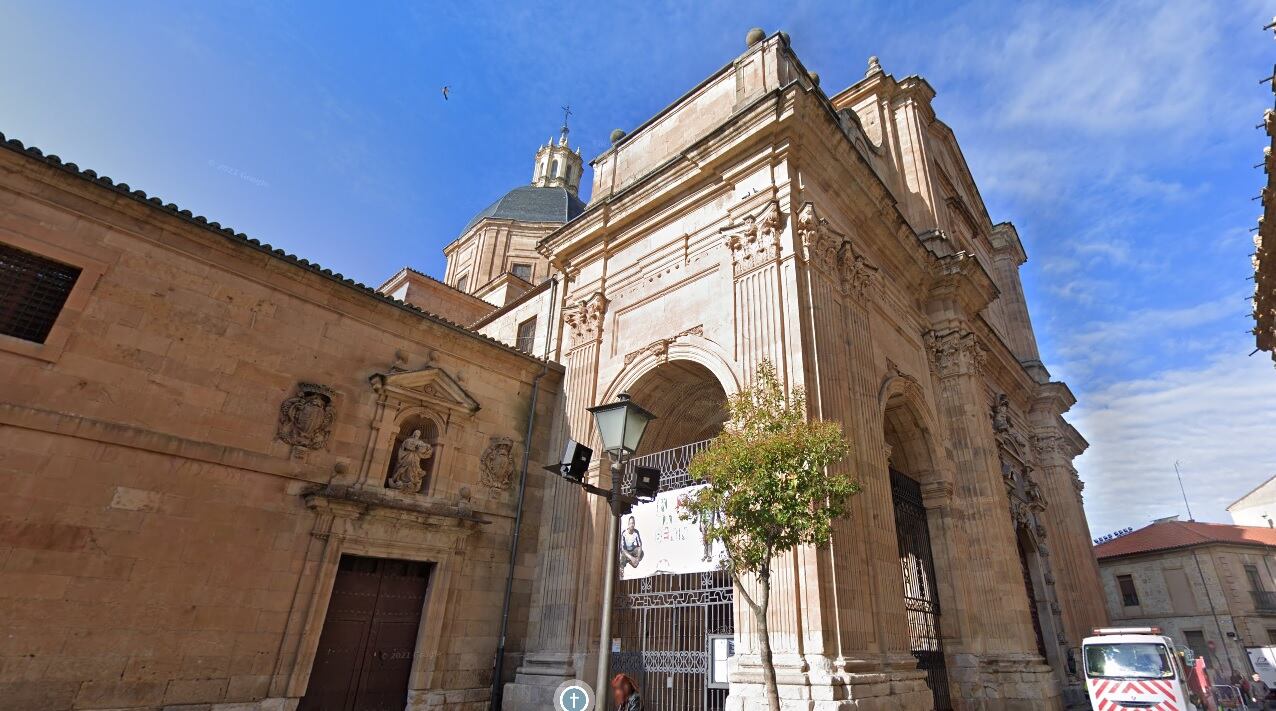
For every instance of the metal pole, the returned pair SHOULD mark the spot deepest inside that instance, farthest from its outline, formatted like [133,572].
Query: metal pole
[498,664]
[1183,491]
[609,582]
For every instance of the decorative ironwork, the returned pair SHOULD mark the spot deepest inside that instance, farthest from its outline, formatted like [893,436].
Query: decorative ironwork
[921,599]
[33,291]
[674,465]
[1264,600]
[664,622]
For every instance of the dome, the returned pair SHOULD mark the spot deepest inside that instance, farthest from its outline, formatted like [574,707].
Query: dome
[531,203]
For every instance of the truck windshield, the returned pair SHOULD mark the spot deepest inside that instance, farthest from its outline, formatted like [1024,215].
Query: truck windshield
[1128,660]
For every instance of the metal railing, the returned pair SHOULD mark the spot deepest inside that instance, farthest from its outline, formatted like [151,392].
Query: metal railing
[1264,600]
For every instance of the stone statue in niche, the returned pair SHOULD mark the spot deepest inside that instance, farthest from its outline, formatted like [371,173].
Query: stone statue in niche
[305,419]
[1001,414]
[409,470]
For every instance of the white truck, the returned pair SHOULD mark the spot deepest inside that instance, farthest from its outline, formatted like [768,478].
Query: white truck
[1133,668]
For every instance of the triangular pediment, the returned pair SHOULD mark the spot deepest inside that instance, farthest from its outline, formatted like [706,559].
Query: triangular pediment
[428,385]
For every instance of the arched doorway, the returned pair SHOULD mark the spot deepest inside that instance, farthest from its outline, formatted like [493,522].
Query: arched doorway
[667,623]
[911,464]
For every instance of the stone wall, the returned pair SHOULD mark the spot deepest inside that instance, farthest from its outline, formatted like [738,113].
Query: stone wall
[160,544]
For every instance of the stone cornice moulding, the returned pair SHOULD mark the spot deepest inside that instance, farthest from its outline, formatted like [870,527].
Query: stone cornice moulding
[134,437]
[958,282]
[427,386]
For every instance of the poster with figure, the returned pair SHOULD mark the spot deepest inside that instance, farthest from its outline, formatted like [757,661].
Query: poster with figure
[654,539]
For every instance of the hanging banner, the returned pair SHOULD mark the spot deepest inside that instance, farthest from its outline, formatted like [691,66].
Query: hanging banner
[654,539]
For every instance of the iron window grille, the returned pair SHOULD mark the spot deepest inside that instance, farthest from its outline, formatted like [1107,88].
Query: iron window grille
[33,291]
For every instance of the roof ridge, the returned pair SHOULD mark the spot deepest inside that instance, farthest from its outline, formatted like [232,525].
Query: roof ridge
[124,189]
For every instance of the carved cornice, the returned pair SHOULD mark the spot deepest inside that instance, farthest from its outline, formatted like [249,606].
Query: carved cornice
[585,319]
[660,348]
[354,501]
[956,352]
[756,240]
[957,277]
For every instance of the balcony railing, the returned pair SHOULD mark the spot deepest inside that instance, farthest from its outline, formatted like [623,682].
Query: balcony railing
[1264,600]
[672,463]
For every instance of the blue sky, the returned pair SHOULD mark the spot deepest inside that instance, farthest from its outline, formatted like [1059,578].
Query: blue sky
[1118,137]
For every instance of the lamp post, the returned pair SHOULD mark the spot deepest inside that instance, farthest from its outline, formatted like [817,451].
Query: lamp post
[621,425]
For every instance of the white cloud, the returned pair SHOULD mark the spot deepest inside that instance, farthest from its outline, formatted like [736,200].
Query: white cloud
[1219,421]
[1097,345]
[1115,67]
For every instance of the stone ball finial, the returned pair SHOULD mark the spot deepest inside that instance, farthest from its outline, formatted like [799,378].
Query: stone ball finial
[784,36]
[815,78]
[756,35]
[874,66]
[617,134]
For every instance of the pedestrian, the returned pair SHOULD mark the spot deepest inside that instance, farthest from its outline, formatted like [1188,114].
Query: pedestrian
[1259,690]
[624,691]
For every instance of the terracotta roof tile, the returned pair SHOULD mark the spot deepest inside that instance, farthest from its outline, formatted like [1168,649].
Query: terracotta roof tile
[1180,534]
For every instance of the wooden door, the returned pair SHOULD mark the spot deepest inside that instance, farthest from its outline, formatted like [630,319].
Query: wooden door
[368,640]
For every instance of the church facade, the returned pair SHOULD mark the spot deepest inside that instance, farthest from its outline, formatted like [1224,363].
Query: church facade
[295,492]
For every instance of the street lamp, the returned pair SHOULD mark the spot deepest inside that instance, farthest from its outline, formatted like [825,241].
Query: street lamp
[621,425]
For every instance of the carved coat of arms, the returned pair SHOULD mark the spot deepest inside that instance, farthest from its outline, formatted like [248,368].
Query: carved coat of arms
[305,419]
[497,464]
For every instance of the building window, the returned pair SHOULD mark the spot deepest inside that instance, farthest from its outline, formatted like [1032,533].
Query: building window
[526,341]
[1271,636]
[33,291]
[463,283]
[522,271]
[1255,580]
[1129,596]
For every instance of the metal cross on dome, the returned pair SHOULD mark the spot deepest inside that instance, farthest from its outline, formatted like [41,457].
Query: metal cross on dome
[567,111]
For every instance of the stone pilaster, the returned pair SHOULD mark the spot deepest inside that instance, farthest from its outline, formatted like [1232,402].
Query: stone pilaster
[565,592]
[999,668]
[1075,568]
[853,646]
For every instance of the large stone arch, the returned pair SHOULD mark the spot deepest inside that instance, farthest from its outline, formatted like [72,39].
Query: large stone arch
[910,437]
[685,384]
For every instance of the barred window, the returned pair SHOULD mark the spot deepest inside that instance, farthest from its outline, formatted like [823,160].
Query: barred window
[527,336]
[1129,594]
[33,291]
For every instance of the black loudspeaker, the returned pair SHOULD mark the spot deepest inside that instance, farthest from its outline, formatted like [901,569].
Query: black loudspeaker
[646,482]
[575,461]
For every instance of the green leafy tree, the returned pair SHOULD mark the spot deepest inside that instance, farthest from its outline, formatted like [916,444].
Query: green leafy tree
[769,491]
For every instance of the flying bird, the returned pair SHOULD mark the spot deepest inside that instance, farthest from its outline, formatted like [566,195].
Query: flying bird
[446,89]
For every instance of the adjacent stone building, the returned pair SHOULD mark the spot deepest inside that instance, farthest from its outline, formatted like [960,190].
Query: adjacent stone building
[1210,586]
[231,479]
[234,480]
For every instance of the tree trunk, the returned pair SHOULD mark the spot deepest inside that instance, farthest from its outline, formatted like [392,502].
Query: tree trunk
[764,643]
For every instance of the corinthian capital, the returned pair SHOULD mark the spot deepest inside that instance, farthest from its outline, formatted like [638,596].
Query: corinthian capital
[755,240]
[585,319]
[955,352]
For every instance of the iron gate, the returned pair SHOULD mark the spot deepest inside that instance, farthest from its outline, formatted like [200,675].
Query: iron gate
[664,622]
[921,600]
